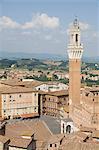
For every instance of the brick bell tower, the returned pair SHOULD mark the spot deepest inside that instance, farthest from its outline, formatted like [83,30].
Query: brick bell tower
[75,50]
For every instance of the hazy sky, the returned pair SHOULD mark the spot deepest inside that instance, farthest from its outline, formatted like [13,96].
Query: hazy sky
[41,26]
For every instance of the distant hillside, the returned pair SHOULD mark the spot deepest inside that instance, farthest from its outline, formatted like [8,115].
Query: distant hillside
[91,59]
[6,63]
[10,55]
[44,56]
[63,64]
[22,63]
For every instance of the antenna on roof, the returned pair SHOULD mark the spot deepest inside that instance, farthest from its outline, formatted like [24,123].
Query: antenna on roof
[76,23]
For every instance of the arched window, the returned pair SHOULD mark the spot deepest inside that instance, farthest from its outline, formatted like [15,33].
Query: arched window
[76,37]
[68,129]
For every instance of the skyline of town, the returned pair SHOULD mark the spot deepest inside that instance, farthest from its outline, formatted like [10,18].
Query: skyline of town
[49,102]
[50,105]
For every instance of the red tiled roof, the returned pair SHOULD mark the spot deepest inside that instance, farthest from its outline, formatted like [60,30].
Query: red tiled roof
[3,139]
[20,142]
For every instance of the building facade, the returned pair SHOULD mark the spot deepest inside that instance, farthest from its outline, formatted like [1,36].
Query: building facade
[51,87]
[90,103]
[52,102]
[18,102]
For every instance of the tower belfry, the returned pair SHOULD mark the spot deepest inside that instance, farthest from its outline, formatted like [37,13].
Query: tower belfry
[75,50]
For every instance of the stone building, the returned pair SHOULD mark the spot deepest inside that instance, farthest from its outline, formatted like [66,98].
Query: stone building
[90,103]
[22,144]
[52,102]
[17,102]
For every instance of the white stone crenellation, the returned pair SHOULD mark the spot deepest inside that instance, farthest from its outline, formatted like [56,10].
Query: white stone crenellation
[75,54]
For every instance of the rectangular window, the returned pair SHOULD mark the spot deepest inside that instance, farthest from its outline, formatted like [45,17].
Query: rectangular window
[20,95]
[4,111]
[10,96]
[4,100]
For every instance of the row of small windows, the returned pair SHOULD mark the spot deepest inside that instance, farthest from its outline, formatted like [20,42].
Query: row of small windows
[10,100]
[19,96]
[50,99]
[87,94]
[35,109]
[11,97]
[52,145]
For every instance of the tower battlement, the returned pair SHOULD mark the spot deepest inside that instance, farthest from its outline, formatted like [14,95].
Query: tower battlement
[75,47]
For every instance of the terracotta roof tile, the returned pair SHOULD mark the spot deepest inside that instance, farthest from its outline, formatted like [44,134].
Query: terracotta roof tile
[3,139]
[37,128]
[15,89]
[58,93]
[20,142]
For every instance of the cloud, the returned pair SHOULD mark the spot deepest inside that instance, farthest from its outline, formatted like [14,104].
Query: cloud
[96,34]
[26,33]
[38,21]
[84,26]
[6,22]
[42,21]
[48,37]
[62,31]
[27,25]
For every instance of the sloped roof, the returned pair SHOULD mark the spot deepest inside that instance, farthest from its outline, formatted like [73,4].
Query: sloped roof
[20,142]
[58,93]
[95,134]
[3,139]
[15,82]
[76,145]
[79,141]
[54,124]
[15,89]
[56,138]
[36,127]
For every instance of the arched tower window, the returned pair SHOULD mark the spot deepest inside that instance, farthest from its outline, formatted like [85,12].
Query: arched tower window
[76,37]
[68,129]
